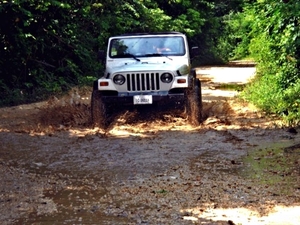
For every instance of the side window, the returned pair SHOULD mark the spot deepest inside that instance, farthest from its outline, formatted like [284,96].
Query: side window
[180,47]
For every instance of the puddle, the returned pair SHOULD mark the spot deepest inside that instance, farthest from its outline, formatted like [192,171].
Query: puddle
[277,166]
[77,205]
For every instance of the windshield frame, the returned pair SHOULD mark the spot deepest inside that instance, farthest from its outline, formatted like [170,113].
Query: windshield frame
[146,46]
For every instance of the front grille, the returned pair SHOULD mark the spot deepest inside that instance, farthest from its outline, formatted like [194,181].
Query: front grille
[142,81]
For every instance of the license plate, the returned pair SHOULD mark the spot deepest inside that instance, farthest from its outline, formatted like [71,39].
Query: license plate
[142,99]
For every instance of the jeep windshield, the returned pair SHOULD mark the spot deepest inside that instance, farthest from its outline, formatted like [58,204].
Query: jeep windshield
[133,47]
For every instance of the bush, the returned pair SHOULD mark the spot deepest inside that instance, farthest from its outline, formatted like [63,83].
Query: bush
[275,46]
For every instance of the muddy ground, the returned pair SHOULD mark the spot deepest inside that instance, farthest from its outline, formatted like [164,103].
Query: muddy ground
[150,166]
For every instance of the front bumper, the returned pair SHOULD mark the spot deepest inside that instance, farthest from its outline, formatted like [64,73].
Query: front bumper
[157,99]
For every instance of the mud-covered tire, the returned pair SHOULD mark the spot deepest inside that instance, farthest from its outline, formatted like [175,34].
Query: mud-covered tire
[193,102]
[98,110]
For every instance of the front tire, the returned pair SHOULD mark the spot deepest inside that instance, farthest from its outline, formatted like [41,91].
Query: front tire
[98,110]
[193,102]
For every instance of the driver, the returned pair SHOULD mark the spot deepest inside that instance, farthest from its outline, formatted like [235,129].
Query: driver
[161,49]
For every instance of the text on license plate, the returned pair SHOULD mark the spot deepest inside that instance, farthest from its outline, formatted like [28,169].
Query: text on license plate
[142,99]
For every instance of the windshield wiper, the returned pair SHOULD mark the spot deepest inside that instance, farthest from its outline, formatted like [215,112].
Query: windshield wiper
[126,55]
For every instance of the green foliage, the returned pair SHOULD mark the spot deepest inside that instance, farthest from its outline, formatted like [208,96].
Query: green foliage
[239,34]
[46,47]
[291,104]
[276,47]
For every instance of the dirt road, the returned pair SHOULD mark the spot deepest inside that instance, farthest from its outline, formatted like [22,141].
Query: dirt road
[149,167]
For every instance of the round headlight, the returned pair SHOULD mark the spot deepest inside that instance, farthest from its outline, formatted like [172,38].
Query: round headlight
[166,77]
[119,79]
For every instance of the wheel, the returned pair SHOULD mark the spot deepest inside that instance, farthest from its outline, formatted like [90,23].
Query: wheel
[193,102]
[98,110]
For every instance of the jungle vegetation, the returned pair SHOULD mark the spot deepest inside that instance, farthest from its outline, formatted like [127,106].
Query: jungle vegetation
[49,46]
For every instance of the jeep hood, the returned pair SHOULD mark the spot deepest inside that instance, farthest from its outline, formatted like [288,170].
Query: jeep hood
[167,64]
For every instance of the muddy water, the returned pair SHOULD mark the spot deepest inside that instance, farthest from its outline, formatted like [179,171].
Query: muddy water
[84,169]
[77,206]
[88,168]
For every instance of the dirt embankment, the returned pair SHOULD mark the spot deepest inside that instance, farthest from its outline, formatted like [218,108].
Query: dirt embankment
[149,167]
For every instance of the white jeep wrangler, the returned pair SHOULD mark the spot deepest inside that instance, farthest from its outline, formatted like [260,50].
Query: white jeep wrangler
[147,68]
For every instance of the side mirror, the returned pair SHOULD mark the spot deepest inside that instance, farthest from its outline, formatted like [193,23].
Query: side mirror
[195,51]
[101,55]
